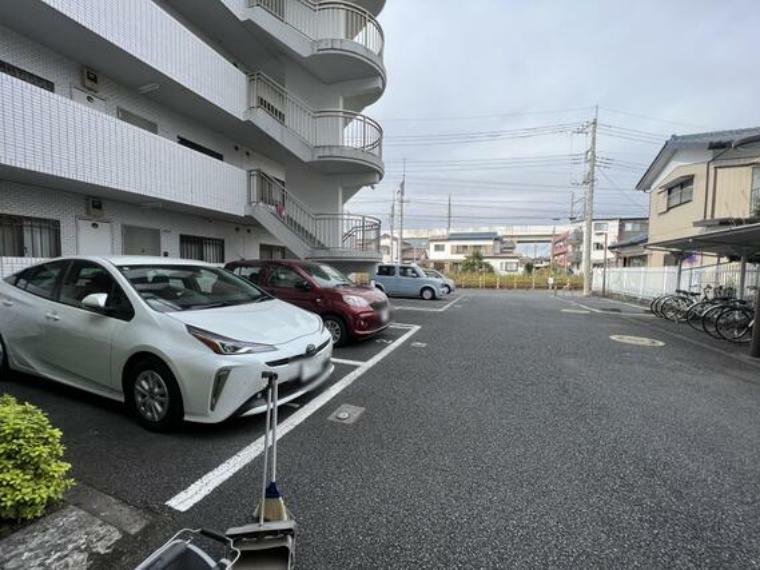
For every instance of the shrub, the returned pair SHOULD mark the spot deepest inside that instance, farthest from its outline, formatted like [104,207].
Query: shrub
[31,473]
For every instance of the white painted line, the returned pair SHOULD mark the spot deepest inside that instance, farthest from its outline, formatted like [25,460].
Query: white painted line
[348,362]
[599,311]
[401,326]
[211,480]
[425,309]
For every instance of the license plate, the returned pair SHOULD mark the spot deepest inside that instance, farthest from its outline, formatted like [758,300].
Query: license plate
[311,367]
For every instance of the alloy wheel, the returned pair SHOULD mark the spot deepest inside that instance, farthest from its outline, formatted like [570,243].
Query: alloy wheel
[333,327]
[151,396]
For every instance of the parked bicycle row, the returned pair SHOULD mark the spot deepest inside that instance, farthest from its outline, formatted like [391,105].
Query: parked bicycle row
[713,310]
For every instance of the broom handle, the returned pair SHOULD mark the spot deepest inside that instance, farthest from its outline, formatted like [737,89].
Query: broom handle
[266,453]
[274,429]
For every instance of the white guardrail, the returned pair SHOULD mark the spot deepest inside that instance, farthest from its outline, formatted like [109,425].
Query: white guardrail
[328,21]
[650,282]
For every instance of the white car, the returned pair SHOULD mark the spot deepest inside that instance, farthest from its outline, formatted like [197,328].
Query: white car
[173,339]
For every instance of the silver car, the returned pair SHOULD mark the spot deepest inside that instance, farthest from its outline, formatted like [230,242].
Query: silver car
[448,284]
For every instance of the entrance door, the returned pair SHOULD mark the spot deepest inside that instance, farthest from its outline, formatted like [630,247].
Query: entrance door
[94,238]
[140,241]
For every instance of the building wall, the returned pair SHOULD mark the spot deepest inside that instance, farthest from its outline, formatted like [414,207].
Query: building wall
[241,240]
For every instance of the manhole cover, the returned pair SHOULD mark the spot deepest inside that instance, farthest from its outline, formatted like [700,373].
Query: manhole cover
[636,340]
[576,311]
[346,414]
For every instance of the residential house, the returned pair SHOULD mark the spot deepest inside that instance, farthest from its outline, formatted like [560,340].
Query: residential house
[698,183]
[212,130]
[446,253]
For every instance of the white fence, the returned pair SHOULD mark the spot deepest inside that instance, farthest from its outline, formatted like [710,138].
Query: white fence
[649,282]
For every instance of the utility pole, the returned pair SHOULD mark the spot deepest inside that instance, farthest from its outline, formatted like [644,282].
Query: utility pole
[393,221]
[572,206]
[589,207]
[448,224]
[402,191]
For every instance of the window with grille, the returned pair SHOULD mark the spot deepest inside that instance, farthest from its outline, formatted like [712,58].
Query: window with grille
[24,75]
[755,206]
[206,249]
[22,236]
[439,247]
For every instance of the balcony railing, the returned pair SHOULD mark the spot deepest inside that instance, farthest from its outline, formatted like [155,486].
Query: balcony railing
[319,231]
[328,21]
[317,128]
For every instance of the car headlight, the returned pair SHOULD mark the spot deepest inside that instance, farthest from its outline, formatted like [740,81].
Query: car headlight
[228,346]
[355,301]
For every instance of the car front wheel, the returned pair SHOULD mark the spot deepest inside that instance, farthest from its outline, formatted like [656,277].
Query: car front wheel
[447,289]
[337,330]
[427,293]
[152,395]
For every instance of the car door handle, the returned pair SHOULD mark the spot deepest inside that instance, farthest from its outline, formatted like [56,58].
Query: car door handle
[52,317]
[7,303]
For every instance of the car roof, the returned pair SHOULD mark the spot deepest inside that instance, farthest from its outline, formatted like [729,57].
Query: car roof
[132,260]
[290,262]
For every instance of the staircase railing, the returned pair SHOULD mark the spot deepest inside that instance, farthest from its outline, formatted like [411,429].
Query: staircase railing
[328,20]
[319,231]
[317,128]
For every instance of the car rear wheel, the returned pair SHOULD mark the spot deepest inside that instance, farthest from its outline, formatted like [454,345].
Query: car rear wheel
[427,293]
[152,395]
[337,329]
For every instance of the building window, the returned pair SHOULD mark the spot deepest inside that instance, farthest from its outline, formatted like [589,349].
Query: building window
[680,193]
[206,249]
[23,75]
[634,226]
[600,226]
[598,246]
[509,266]
[267,251]
[21,236]
[199,148]
[439,247]
[755,211]
[136,120]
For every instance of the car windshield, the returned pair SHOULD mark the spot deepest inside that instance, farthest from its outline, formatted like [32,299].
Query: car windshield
[326,276]
[435,274]
[171,288]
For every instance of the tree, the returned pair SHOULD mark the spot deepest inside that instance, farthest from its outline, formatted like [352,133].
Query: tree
[474,263]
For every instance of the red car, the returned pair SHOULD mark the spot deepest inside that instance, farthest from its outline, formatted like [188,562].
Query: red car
[349,311]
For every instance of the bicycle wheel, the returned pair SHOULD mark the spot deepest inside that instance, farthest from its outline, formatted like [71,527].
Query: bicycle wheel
[672,308]
[734,324]
[695,313]
[659,303]
[710,317]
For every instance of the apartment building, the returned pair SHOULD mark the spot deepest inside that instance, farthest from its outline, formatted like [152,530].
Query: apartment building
[446,253]
[697,184]
[211,130]
[567,248]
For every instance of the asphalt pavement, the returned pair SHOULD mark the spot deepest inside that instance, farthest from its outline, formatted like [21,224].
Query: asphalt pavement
[509,430]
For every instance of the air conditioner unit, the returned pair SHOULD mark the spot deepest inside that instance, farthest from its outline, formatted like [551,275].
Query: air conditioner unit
[90,80]
[95,208]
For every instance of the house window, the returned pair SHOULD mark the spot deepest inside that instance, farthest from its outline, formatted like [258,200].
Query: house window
[680,193]
[439,247]
[136,120]
[598,246]
[199,148]
[23,75]
[21,236]
[206,249]
[755,206]
[600,226]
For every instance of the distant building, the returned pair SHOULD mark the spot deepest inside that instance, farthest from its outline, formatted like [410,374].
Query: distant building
[447,253]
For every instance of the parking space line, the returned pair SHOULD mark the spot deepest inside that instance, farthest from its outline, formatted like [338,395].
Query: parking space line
[425,309]
[601,312]
[348,362]
[184,500]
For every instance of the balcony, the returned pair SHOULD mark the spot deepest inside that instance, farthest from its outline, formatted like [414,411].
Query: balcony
[333,141]
[52,141]
[338,40]
[335,237]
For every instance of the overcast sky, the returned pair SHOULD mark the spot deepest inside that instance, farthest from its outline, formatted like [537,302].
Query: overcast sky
[464,76]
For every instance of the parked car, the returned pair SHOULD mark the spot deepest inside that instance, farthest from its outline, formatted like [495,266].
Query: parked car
[448,284]
[349,311]
[173,339]
[407,280]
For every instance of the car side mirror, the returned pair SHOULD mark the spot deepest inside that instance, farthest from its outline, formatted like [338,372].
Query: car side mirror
[304,285]
[95,302]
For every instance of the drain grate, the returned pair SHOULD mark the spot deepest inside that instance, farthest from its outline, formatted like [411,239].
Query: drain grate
[346,414]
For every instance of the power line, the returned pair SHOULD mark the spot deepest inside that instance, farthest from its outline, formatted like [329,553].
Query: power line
[489,116]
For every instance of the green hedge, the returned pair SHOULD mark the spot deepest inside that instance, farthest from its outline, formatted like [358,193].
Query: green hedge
[517,281]
[32,475]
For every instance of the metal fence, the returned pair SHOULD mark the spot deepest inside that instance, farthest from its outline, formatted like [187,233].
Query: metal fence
[650,282]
